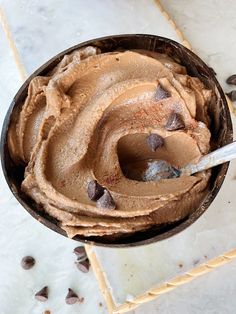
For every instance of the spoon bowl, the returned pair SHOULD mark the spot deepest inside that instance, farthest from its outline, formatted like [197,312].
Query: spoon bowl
[161,169]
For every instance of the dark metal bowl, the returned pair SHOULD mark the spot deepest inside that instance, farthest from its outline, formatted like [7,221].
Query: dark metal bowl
[221,129]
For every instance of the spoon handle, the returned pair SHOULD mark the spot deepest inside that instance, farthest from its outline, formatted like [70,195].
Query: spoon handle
[217,157]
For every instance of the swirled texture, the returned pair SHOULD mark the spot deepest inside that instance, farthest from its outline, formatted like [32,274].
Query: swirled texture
[89,119]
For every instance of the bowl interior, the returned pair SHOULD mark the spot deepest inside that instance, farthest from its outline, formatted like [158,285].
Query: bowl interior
[221,129]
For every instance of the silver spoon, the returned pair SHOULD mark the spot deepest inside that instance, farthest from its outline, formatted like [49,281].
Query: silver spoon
[162,170]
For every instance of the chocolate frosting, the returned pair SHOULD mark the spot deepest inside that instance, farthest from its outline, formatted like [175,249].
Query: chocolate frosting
[89,119]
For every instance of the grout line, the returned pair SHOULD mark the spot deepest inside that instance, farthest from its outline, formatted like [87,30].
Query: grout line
[177,281]
[12,45]
[99,274]
[231,105]
[181,36]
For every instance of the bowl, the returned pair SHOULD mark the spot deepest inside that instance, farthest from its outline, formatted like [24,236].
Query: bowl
[221,129]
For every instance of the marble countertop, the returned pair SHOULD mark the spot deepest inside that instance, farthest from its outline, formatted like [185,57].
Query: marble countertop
[40,29]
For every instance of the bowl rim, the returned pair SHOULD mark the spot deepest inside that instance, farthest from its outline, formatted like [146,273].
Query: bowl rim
[43,69]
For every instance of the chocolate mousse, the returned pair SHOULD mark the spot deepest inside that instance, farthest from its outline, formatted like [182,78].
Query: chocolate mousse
[91,130]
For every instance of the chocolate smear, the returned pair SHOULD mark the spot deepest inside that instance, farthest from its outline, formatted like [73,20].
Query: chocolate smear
[71,297]
[27,262]
[95,190]
[154,141]
[232,95]
[42,295]
[175,122]
[231,79]
[83,265]
[106,201]
[161,93]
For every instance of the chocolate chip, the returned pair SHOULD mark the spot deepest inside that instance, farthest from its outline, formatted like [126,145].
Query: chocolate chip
[106,201]
[175,122]
[71,297]
[95,190]
[83,265]
[80,253]
[232,95]
[231,79]
[27,262]
[161,93]
[154,141]
[42,295]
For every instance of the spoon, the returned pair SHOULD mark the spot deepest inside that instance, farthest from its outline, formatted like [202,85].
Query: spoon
[161,169]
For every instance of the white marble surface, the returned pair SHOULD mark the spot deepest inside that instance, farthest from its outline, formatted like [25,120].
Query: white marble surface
[210,26]
[43,28]
[213,293]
